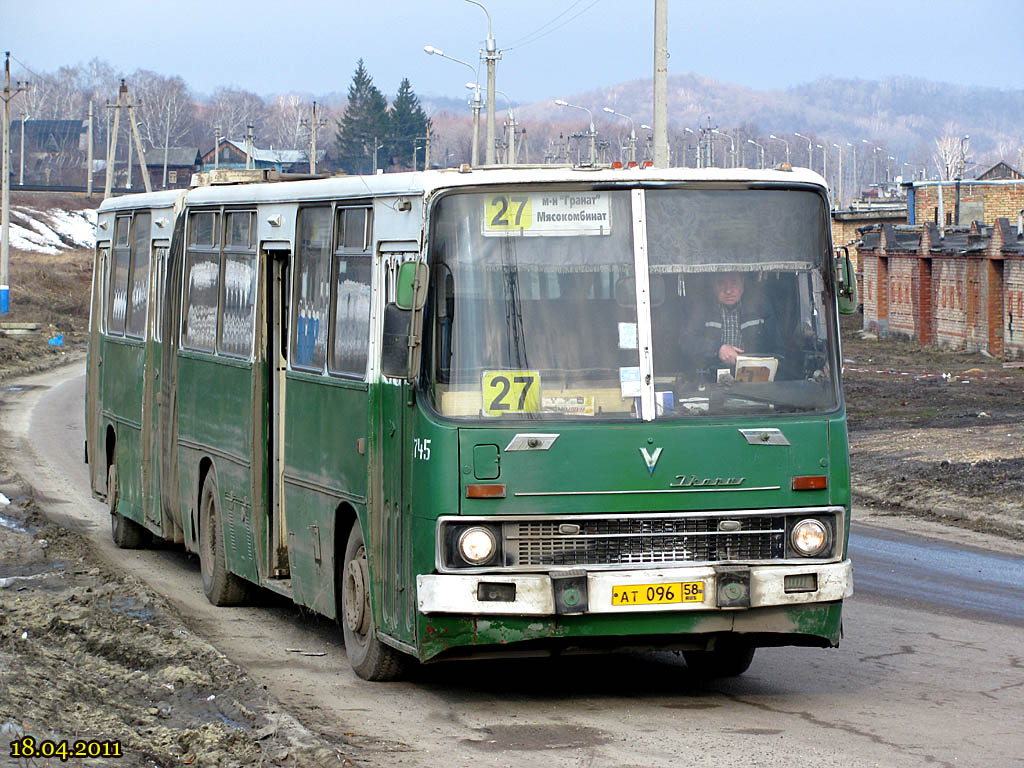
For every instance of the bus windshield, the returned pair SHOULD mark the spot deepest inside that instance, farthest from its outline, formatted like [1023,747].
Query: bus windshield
[537,312]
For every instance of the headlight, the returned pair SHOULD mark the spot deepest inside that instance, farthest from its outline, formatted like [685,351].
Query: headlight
[809,537]
[476,545]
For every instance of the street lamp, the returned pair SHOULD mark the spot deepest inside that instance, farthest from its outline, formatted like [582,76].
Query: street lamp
[510,157]
[21,166]
[963,154]
[856,181]
[824,162]
[432,51]
[697,139]
[874,160]
[773,136]
[810,149]
[732,144]
[492,57]
[592,133]
[632,133]
[840,151]
[751,141]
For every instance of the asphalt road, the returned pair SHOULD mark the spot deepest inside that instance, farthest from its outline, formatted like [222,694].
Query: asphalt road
[930,672]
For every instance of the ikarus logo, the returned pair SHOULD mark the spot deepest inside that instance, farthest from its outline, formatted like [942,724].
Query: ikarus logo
[651,459]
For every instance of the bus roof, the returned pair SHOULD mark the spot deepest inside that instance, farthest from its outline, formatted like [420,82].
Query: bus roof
[426,182]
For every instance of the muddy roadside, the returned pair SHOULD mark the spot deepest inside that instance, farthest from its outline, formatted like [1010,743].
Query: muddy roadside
[90,655]
[935,434]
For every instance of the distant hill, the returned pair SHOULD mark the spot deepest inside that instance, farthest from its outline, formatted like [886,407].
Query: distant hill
[904,115]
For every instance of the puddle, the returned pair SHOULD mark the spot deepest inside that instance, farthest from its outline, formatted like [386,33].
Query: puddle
[130,607]
[18,525]
[231,723]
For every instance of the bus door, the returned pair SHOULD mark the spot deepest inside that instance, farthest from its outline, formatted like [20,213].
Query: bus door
[278,264]
[151,398]
[391,521]
[93,423]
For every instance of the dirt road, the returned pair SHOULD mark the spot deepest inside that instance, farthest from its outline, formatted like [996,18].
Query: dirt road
[912,664]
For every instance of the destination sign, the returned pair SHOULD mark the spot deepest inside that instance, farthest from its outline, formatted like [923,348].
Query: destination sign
[553,214]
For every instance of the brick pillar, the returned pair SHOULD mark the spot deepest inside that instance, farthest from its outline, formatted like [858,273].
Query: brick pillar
[926,318]
[883,296]
[995,307]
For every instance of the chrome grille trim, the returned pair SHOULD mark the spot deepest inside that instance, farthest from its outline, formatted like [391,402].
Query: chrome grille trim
[625,541]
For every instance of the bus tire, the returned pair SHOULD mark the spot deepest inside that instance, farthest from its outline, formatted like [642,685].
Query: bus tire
[127,534]
[726,660]
[369,657]
[220,586]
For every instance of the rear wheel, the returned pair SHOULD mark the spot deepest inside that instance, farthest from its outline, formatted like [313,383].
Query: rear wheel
[726,660]
[127,534]
[369,657]
[220,586]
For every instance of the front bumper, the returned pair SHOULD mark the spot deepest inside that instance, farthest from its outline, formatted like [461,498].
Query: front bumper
[535,593]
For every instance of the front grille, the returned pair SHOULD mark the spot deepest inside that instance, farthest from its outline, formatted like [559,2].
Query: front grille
[642,540]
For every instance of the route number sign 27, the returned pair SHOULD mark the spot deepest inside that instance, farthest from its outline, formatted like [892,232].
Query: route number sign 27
[508,392]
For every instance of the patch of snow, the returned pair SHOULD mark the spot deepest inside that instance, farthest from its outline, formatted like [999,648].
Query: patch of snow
[52,231]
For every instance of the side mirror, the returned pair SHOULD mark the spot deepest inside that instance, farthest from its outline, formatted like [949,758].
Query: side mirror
[411,288]
[403,322]
[846,281]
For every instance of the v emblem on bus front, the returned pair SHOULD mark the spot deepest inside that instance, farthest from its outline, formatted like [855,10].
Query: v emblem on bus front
[651,461]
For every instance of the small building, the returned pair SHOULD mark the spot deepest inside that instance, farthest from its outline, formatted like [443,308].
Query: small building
[232,154]
[960,202]
[1001,172]
[182,162]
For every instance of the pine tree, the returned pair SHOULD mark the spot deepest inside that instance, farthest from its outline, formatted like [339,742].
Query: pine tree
[365,121]
[406,122]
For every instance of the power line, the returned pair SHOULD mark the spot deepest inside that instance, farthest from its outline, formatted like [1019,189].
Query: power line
[27,68]
[534,36]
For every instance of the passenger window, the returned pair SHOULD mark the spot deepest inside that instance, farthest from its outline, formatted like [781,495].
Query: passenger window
[312,285]
[117,293]
[160,277]
[202,282]
[239,292]
[352,271]
[138,297]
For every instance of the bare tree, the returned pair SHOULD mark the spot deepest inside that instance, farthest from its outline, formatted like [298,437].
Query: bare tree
[232,110]
[287,122]
[950,155]
[168,108]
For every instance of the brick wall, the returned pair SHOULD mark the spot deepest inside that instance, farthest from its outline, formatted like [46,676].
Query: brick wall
[976,309]
[1000,200]
[869,292]
[949,280]
[903,310]
[1013,314]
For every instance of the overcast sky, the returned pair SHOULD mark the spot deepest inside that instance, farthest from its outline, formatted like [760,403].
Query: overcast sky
[552,48]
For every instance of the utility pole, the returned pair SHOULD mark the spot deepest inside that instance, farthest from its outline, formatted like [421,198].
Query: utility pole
[491,57]
[89,156]
[8,94]
[315,124]
[167,141]
[661,83]
[249,147]
[216,147]
[123,101]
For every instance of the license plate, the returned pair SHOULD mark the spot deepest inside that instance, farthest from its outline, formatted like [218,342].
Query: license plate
[658,594]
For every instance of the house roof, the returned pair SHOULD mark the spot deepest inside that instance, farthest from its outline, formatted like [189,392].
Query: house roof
[1001,170]
[177,157]
[283,156]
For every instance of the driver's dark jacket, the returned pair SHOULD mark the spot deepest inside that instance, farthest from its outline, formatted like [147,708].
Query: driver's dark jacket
[702,335]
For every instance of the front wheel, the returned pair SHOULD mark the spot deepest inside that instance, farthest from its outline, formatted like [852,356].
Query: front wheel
[369,657]
[726,660]
[220,586]
[127,534]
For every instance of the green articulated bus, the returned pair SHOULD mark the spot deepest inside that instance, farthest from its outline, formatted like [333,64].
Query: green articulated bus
[486,411]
